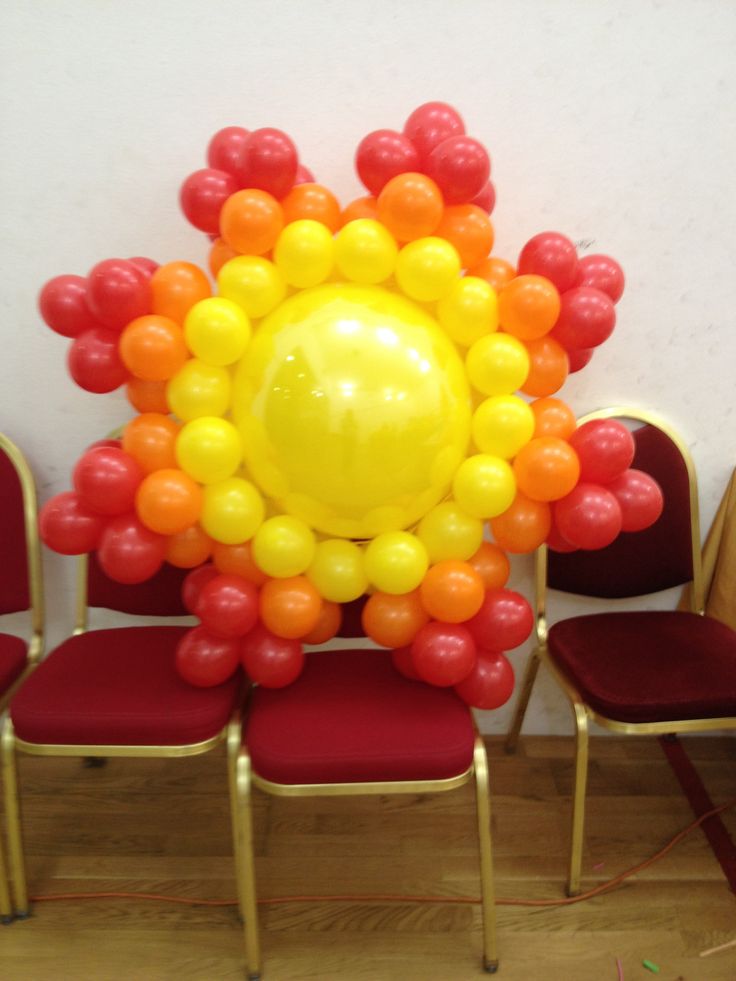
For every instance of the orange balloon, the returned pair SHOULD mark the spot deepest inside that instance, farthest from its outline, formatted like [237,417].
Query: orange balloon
[220,253]
[237,560]
[168,501]
[452,591]
[290,608]
[410,206]
[528,307]
[176,287]
[330,620]
[312,201]
[469,229]
[553,417]
[150,439]
[498,272]
[548,367]
[366,207]
[147,396]
[189,548]
[153,348]
[394,620]
[250,221]
[524,526]
[546,468]
[492,565]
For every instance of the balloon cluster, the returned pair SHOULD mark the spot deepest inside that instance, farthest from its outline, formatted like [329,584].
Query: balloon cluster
[341,420]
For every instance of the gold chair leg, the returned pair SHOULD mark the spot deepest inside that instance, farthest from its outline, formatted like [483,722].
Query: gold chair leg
[483,802]
[12,820]
[522,702]
[234,736]
[246,866]
[6,906]
[578,798]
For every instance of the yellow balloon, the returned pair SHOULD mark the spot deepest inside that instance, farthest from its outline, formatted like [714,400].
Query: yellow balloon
[502,424]
[469,311]
[484,486]
[427,268]
[354,409]
[337,570]
[217,331]
[396,562]
[283,546]
[305,253]
[497,364]
[365,251]
[448,532]
[254,283]
[199,389]
[209,449]
[232,511]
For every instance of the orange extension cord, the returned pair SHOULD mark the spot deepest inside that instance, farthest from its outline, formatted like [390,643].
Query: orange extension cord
[380,898]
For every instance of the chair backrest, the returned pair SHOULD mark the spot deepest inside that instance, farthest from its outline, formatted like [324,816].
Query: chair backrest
[351,624]
[159,596]
[638,563]
[21,582]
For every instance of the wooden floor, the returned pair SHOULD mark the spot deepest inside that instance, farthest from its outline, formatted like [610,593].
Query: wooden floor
[162,826]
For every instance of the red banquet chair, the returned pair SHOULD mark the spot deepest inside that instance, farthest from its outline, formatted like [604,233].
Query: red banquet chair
[351,724]
[115,692]
[635,672]
[21,589]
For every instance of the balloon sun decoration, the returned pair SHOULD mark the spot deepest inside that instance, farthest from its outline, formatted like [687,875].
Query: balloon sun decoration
[339,419]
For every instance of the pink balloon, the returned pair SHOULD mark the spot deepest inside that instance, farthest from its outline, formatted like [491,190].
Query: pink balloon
[128,552]
[226,148]
[194,582]
[640,498]
[460,166]
[430,124]
[551,255]
[602,273]
[587,318]
[94,362]
[491,682]
[605,448]
[227,606]
[443,653]
[202,196]
[118,292]
[63,306]
[68,526]
[504,621]
[269,162]
[271,661]
[106,479]
[589,517]
[382,155]
[205,660]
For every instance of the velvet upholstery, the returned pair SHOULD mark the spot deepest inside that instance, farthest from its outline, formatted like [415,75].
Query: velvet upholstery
[652,666]
[119,687]
[14,593]
[13,659]
[351,717]
[158,596]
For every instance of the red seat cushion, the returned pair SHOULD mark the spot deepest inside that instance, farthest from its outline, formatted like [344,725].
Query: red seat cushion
[654,666]
[351,718]
[119,687]
[13,659]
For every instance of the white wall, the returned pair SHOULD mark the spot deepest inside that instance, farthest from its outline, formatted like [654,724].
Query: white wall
[610,121]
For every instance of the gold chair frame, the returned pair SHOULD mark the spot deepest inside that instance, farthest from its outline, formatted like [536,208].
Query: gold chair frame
[35,592]
[583,713]
[246,779]
[11,745]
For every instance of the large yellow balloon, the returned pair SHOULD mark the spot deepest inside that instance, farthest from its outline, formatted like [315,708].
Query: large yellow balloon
[354,409]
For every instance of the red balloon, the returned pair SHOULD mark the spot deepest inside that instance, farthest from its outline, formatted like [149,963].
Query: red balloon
[269,162]
[128,552]
[63,305]
[382,155]
[640,498]
[551,255]
[202,196]
[118,292]
[589,517]
[404,663]
[460,166]
[443,653]
[304,175]
[605,448]
[578,358]
[205,660]
[225,149]
[430,124]
[194,582]
[557,542]
[486,199]
[227,606]
[271,661]
[504,621]
[602,273]
[587,318]
[94,362]
[491,682]
[147,266]
[106,479]
[68,526]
